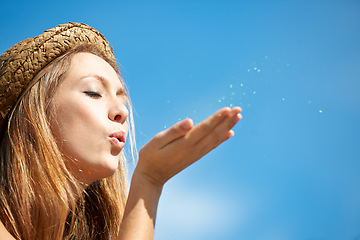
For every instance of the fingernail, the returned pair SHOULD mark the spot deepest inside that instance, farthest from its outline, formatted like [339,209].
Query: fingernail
[187,125]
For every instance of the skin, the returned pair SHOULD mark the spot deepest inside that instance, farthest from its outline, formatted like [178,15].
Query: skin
[89,106]
[83,123]
[168,153]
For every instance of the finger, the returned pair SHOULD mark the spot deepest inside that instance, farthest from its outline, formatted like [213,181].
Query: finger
[203,128]
[178,130]
[211,140]
[221,133]
[208,125]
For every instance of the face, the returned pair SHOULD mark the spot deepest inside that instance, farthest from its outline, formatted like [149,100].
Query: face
[89,118]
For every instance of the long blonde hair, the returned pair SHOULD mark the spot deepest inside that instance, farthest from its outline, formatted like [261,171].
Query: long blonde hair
[39,197]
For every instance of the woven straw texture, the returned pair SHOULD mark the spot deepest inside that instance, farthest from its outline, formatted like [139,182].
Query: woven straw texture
[23,61]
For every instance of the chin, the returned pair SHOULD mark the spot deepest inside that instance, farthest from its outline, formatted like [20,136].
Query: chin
[89,173]
[104,171]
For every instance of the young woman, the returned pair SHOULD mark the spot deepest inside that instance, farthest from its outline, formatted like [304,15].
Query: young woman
[65,116]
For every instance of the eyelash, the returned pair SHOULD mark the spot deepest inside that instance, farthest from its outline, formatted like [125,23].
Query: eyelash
[93,94]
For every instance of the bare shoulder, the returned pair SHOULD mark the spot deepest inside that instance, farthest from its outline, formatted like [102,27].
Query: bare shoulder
[4,234]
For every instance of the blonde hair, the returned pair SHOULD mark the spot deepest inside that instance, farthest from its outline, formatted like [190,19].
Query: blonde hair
[39,197]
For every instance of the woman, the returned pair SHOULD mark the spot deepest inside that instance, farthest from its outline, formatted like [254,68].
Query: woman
[65,116]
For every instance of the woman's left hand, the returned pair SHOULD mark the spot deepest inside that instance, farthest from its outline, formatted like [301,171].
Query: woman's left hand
[174,149]
[167,154]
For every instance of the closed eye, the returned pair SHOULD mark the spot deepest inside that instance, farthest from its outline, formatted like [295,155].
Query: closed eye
[93,94]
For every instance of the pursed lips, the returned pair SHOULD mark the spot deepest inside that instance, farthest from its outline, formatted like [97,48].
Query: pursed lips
[118,138]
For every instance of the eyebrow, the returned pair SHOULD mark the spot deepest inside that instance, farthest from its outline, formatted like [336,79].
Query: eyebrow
[104,81]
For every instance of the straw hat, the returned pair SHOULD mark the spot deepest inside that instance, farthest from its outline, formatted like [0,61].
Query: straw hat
[24,60]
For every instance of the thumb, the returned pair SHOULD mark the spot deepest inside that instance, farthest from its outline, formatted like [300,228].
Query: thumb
[178,130]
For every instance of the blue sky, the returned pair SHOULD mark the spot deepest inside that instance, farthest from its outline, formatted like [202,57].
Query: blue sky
[292,169]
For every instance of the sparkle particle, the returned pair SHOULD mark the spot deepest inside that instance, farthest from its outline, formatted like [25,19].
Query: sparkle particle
[230,86]
[320,111]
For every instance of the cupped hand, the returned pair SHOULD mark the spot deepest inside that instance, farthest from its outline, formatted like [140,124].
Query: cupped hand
[174,149]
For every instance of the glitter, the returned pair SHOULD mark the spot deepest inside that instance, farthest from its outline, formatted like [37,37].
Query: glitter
[320,111]
[254,92]
[241,85]
[231,105]
[233,94]
[230,86]
[223,98]
[255,68]
[258,70]
[219,100]
[164,126]
[244,93]
[179,119]
[249,70]
[283,99]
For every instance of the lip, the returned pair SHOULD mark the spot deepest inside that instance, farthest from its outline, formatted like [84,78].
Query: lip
[118,139]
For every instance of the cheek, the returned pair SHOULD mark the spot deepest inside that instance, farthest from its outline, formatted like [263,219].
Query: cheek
[76,126]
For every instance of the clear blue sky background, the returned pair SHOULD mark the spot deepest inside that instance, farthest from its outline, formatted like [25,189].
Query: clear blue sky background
[292,171]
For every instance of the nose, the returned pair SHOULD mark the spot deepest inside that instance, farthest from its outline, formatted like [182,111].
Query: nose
[118,112]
